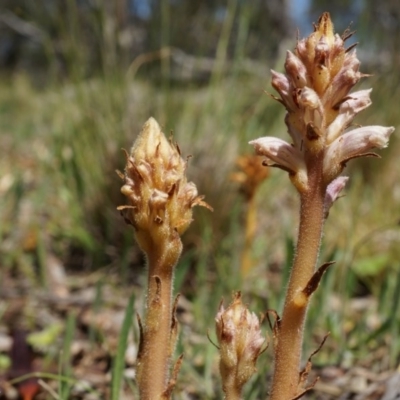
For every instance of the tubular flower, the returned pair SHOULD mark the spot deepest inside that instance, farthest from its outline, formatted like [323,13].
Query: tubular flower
[283,155]
[355,143]
[161,199]
[315,91]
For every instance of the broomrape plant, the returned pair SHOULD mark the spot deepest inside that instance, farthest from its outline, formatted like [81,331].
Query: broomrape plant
[160,210]
[315,90]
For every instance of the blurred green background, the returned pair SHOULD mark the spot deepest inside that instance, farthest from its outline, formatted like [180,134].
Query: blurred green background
[78,79]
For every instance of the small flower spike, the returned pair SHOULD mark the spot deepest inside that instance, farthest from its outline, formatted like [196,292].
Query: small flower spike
[161,199]
[160,210]
[241,341]
[315,91]
[250,175]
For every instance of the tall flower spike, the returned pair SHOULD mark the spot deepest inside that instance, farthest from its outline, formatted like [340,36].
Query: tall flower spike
[315,91]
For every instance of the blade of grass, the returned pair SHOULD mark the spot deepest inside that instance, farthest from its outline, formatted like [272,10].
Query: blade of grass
[184,266]
[94,333]
[119,361]
[394,322]
[65,359]
[55,377]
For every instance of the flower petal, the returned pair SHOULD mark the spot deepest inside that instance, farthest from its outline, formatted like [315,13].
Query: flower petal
[293,131]
[280,152]
[309,100]
[332,192]
[355,103]
[354,143]
[344,80]
[296,70]
[281,84]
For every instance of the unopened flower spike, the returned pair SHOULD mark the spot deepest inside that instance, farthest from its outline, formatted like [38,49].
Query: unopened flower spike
[160,210]
[161,199]
[240,344]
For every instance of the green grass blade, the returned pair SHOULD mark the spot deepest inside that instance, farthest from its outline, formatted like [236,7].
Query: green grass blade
[65,361]
[119,361]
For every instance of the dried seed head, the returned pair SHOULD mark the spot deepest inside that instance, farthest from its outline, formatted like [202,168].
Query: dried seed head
[240,339]
[160,198]
[315,91]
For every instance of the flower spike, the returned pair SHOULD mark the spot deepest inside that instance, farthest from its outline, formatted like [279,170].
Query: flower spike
[315,90]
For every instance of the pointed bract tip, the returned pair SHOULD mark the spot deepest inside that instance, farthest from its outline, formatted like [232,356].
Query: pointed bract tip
[325,25]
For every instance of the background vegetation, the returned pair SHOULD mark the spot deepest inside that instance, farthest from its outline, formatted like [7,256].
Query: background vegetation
[78,80]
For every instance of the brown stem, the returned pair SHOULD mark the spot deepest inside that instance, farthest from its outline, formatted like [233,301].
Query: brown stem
[155,352]
[290,333]
[231,389]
